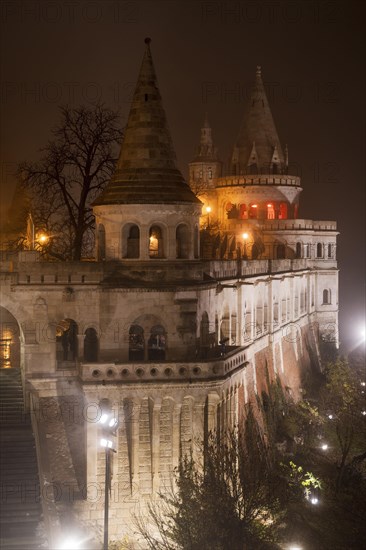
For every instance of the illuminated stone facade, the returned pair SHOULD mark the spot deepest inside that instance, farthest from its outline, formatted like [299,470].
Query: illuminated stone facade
[176,328]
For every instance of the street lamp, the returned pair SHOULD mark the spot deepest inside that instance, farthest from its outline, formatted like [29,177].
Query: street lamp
[42,238]
[245,237]
[109,425]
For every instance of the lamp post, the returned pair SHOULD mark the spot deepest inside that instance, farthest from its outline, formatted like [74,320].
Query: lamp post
[245,238]
[208,210]
[109,426]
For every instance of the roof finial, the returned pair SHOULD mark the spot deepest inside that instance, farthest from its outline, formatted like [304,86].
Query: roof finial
[147,40]
[259,70]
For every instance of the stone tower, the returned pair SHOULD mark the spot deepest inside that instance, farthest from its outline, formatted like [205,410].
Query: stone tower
[145,320]
[205,166]
[147,210]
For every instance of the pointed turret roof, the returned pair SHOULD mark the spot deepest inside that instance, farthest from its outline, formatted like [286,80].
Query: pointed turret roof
[146,171]
[258,132]
[206,151]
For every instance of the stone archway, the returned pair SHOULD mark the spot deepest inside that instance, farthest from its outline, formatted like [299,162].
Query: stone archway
[66,341]
[10,351]
[91,345]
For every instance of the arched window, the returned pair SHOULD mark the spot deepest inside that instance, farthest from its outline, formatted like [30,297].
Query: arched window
[298,250]
[66,340]
[243,213]
[101,243]
[156,242]
[326,296]
[329,250]
[157,344]
[281,251]
[133,242]
[90,345]
[225,327]
[204,335]
[319,250]
[253,211]
[196,242]
[282,215]
[182,241]
[136,349]
[270,211]
[9,340]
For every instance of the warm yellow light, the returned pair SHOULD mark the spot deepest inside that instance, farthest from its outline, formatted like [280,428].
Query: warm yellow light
[254,205]
[269,205]
[208,209]
[5,344]
[42,238]
[245,236]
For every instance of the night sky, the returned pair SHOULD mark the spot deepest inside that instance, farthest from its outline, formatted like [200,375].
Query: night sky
[205,54]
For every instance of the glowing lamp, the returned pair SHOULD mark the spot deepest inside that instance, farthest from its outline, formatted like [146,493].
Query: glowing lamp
[269,205]
[70,544]
[106,443]
[245,236]
[254,206]
[363,383]
[103,418]
[294,547]
[330,416]
[42,238]
[324,447]
[363,413]
[208,209]
[314,500]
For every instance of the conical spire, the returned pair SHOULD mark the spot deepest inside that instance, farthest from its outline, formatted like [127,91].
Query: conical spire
[258,127]
[206,151]
[146,171]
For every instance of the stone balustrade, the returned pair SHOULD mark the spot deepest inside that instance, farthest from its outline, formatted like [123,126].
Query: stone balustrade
[134,372]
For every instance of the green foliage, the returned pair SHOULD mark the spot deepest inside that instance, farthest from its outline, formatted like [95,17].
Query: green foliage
[301,482]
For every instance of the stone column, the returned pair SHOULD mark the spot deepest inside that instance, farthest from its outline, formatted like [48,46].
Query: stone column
[155,444]
[144,243]
[176,434]
[198,429]
[212,402]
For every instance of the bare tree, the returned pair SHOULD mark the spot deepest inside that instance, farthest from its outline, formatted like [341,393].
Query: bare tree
[75,167]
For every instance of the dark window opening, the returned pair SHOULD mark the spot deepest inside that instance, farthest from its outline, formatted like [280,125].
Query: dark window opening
[136,350]
[157,344]
[298,250]
[91,345]
[133,242]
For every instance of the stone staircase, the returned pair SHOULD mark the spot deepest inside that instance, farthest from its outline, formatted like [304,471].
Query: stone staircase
[20,505]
